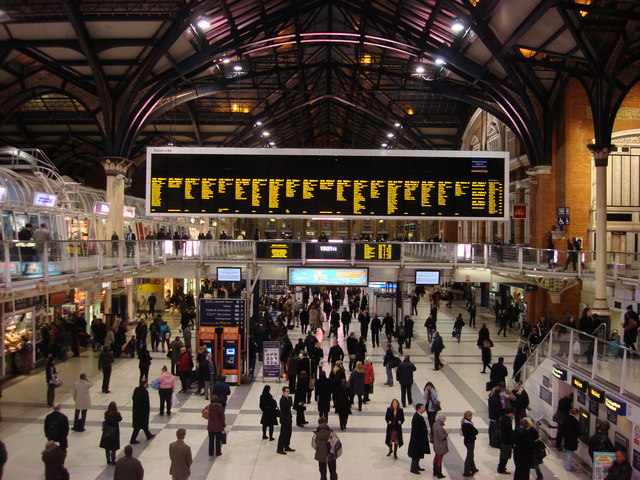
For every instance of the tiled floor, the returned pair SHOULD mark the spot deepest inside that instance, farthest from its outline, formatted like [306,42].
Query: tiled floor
[246,456]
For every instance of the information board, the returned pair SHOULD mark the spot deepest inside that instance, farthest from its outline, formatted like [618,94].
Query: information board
[270,359]
[309,276]
[222,312]
[378,251]
[328,251]
[602,461]
[345,183]
[278,250]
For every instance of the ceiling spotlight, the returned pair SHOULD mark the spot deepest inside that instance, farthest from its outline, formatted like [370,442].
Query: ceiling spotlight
[385,145]
[237,68]
[457,26]
[419,69]
[265,133]
[272,143]
[440,61]
[390,135]
[225,60]
[203,24]
[258,123]
[397,124]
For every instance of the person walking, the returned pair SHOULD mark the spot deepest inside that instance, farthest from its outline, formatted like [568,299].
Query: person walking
[324,391]
[180,456]
[408,330]
[389,362]
[105,362]
[485,354]
[376,326]
[430,324]
[505,439]
[53,457]
[523,451]
[394,418]
[269,408]
[3,457]
[151,303]
[56,427]
[389,327]
[457,327]
[140,411]
[571,435]
[127,467]
[472,315]
[404,375]
[539,448]
[345,318]
[335,353]
[286,420]
[364,320]
[324,456]
[483,334]
[82,399]
[519,361]
[110,439]
[167,384]
[52,380]
[440,444]
[300,398]
[176,352]
[498,373]
[214,414]
[469,434]
[357,382]
[369,380]
[144,362]
[419,440]
[431,402]
[436,349]
[342,402]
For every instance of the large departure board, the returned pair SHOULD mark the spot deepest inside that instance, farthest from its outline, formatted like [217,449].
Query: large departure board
[340,183]
[378,251]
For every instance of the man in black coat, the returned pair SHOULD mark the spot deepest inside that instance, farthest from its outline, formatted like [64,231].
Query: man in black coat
[352,349]
[284,439]
[495,412]
[521,402]
[519,361]
[505,427]
[498,372]
[104,364]
[335,353]
[140,412]
[523,451]
[404,376]
[345,317]
[334,323]
[620,469]
[419,441]
[364,320]
[408,330]
[376,326]
[389,326]
[56,427]
[436,348]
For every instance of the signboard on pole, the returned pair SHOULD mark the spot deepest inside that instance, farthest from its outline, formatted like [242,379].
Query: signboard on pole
[601,463]
[222,312]
[270,360]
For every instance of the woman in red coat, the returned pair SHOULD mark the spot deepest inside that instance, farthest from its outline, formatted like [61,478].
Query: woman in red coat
[214,413]
[369,378]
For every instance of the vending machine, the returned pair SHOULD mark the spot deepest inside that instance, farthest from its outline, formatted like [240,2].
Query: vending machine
[230,350]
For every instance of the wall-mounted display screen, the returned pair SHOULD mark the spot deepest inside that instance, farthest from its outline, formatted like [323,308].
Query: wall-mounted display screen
[378,251]
[129,212]
[328,251]
[101,208]
[3,193]
[309,276]
[41,199]
[427,277]
[278,250]
[311,183]
[229,274]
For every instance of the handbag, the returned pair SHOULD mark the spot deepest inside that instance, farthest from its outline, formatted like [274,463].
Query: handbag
[371,388]
[155,384]
[223,438]
[56,382]
[312,384]
[436,406]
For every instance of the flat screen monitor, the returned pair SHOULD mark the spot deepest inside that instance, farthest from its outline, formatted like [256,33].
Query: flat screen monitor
[41,199]
[316,276]
[129,212]
[101,208]
[3,193]
[427,277]
[229,274]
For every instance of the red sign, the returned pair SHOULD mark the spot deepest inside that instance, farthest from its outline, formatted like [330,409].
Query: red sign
[519,211]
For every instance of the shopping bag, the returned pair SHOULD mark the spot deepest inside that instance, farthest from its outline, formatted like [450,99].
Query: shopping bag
[174,400]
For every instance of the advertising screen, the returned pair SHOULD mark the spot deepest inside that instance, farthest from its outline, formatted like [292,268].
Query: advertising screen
[229,274]
[307,183]
[309,276]
[427,277]
[44,200]
[101,208]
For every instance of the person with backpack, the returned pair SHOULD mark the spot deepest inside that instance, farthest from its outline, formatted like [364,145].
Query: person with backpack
[214,414]
[328,448]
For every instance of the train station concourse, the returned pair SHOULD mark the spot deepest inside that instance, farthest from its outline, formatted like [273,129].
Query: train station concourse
[417,222]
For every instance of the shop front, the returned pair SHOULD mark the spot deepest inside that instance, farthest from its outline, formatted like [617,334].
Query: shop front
[19,334]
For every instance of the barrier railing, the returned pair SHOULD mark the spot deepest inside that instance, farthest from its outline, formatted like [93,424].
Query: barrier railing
[22,260]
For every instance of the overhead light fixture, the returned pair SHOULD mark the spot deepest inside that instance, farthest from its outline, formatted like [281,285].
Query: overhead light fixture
[457,26]
[397,124]
[237,68]
[440,61]
[390,135]
[385,144]
[272,143]
[419,69]
[225,60]
[258,123]
[203,24]
[265,133]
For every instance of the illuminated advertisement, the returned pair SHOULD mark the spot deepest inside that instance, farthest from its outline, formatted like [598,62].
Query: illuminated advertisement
[3,193]
[44,200]
[129,212]
[307,276]
[101,208]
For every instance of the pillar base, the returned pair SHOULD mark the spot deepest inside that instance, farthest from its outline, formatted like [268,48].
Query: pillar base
[601,307]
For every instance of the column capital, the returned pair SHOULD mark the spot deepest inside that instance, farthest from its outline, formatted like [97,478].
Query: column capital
[539,170]
[114,166]
[601,153]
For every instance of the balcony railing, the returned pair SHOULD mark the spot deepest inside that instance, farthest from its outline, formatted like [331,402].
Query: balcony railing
[27,260]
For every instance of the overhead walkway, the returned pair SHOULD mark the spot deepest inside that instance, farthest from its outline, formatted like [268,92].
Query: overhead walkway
[23,263]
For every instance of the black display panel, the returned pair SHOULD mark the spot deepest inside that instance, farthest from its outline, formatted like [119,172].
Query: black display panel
[308,183]
[328,251]
[278,250]
[378,251]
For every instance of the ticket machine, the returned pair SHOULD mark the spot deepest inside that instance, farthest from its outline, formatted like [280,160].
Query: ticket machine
[230,350]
